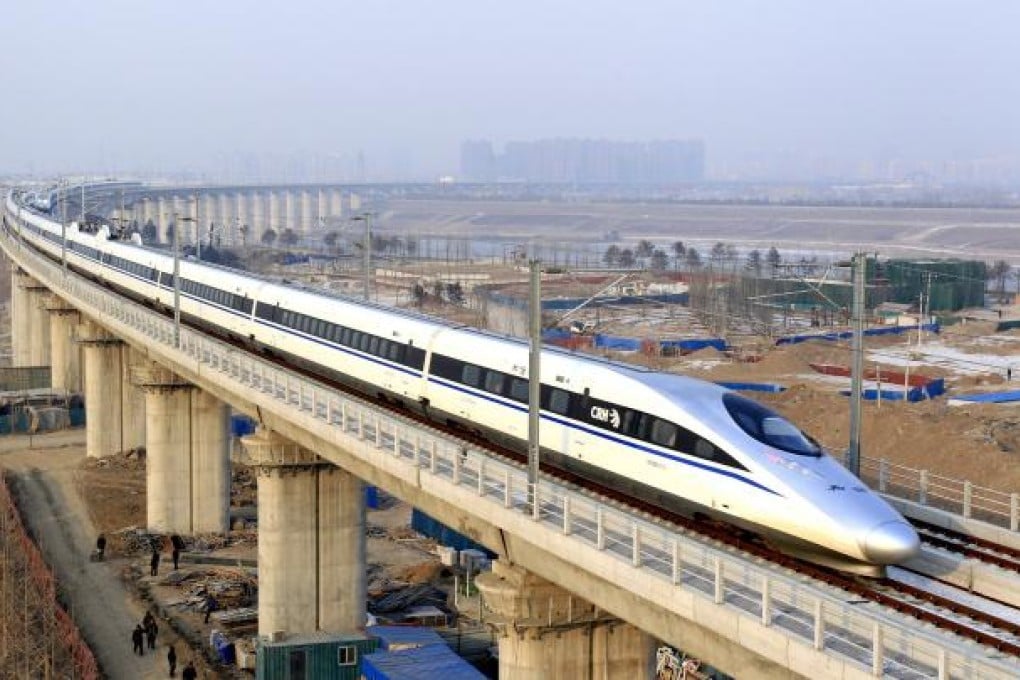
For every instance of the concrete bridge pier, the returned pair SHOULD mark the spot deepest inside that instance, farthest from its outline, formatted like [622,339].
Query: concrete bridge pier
[311,547]
[187,454]
[37,322]
[20,328]
[65,374]
[546,632]
[103,390]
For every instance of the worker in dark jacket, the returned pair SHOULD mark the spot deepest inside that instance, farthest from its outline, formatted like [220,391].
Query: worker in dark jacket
[189,672]
[171,659]
[154,562]
[137,637]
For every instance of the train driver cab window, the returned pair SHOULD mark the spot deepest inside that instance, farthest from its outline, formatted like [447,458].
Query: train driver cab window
[769,427]
[472,375]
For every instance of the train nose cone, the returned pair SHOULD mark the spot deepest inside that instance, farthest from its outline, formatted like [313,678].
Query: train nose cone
[891,543]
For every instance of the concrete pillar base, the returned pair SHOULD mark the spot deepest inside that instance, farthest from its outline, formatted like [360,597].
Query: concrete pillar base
[187,450]
[311,544]
[103,421]
[65,373]
[546,632]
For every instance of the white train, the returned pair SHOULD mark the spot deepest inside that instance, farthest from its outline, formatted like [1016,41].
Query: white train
[681,443]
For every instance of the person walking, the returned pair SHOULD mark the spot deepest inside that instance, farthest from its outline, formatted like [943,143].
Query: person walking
[154,562]
[210,606]
[136,638]
[150,634]
[101,546]
[189,672]
[177,544]
[171,659]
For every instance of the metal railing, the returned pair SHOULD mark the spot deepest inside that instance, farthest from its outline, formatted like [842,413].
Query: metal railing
[601,535]
[950,494]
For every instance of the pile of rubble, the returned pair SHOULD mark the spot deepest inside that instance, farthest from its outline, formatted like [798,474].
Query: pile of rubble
[231,588]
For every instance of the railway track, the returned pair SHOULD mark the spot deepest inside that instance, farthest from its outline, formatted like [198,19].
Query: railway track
[971,547]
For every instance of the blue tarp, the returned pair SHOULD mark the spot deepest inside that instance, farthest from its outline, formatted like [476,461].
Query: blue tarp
[846,335]
[434,661]
[695,345]
[434,529]
[613,342]
[871,394]
[990,397]
[404,637]
[241,425]
[751,387]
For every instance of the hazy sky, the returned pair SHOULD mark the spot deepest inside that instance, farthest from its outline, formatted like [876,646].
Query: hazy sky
[118,84]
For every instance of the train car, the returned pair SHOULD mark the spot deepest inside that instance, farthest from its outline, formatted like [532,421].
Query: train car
[683,444]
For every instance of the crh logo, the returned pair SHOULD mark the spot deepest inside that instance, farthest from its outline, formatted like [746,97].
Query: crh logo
[606,415]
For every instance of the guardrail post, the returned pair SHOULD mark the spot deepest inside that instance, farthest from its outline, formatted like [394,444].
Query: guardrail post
[343,416]
[876,650]
[635,542]
[819,626]
[566,515]
[883,475]
[1014,511]
[433,456]
[396,441]
[536,503]
[600,529]
[968,496]
[943,672]
[507,488]
[766,602]
[677,571]
[378,432]
[481,476]
[456,469]
[922,491]
[361,425]
[718,580]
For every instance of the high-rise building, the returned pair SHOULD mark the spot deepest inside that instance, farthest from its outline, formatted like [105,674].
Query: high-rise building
[586,161]
[477,161]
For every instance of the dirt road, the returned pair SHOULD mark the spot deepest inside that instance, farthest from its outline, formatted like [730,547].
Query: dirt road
[100,603]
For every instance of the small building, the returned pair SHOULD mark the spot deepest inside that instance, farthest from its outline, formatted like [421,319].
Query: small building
[315,656]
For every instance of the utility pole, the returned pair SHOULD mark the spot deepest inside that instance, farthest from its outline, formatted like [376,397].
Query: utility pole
[367,219]
[534,379]
[853,458]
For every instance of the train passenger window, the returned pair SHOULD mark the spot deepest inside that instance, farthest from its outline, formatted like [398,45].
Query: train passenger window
[471,375]
[355,342]
[519,390]
[704,449]
[559,401]
[373,345]
[494,381]
[445,367]
[663,432]
[345,337]
[396,352]
[415,357]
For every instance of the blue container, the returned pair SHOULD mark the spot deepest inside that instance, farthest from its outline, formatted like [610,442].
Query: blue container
[396,638]
[434,661]
[371,497]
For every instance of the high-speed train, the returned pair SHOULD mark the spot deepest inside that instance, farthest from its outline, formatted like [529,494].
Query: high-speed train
[683,444]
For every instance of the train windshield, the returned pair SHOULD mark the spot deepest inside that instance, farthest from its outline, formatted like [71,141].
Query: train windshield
[769,427]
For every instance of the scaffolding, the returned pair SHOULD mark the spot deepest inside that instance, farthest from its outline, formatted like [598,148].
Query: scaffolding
[38,639]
